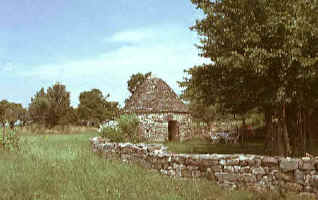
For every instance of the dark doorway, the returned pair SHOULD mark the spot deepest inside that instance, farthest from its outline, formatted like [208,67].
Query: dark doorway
[173,130]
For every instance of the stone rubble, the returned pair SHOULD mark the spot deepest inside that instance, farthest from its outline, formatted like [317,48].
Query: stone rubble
[256,172]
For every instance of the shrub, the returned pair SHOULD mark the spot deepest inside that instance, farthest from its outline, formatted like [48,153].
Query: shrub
[11,140]
[124,129]
[113,134]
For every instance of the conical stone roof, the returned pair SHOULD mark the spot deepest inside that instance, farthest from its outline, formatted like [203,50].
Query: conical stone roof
[155,95]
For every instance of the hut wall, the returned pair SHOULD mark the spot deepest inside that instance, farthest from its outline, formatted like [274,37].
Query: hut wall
[154,126]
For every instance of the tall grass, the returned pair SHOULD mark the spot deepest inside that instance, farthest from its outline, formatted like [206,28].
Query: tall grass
[63,167]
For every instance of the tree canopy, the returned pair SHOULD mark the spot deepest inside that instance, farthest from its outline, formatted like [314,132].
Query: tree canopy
[94,107]
[50,107]
[136,80]
[264,55]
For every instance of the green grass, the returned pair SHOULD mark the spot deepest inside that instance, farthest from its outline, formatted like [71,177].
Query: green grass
[63,167]
[202,146]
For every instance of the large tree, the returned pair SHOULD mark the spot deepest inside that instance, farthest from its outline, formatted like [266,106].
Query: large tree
[264,55]
[95,108]
[50,107]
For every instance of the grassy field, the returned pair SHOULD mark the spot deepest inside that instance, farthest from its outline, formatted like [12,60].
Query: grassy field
[202,146]
[63,167]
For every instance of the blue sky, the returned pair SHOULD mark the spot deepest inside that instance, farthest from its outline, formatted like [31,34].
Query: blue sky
[87,44]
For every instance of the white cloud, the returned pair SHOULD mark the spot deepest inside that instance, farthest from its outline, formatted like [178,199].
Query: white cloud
[164,50]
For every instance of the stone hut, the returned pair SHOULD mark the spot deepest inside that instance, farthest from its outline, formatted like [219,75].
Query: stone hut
[163,116]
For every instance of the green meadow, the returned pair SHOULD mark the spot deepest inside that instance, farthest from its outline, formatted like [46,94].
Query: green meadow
[62,166]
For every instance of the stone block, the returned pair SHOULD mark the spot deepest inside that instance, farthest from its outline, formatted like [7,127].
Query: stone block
[293,187]
[246,169]
[299,177]
[247,178]
[217,168]
[209,163]
[226,177]
[229,169]
[196,173]
[314,181]
[308,165]
[258,171]
[232,162]
[288,164]
[269,161]
[283,176]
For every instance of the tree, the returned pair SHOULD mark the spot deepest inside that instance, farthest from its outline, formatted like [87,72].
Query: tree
[50,107]
[14,113]
[136,80]
[59,100]
[197,106]
[39,107]
[264,55]
[95,108]
[3,110]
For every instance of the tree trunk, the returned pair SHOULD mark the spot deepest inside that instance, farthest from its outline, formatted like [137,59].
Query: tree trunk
[268,146]
[283,124]
[4,134]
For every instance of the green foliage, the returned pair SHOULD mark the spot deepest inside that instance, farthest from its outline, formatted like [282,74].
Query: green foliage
[10,141]
[94,107]
[50,107]
[264,56]
[129,126]
[136,80]
[126,130]
[113,133]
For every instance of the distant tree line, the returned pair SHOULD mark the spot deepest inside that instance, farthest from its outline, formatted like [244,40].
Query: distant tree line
[52,107]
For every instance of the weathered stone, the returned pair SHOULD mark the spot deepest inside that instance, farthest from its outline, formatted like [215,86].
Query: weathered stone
[243,163]
[210,174]
[196,173]
[308,188]
[314,181]
[299,177]
[230,177]
[209,163]
[308,165]
[246,169]
[247,178]
[258,171]
[193,162]
[229,169]
[316,164]
[237,169]
[294,187]
[283,176]
[295,175]
[217,168]
[232,162]
[289,164]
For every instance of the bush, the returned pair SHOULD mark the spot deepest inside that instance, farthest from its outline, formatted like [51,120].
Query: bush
[113,134]
[126,129]
[11,140]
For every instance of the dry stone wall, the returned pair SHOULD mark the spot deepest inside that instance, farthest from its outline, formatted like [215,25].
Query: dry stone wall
[260,173]
[155,125]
